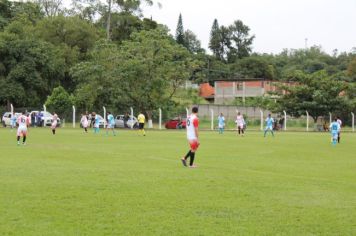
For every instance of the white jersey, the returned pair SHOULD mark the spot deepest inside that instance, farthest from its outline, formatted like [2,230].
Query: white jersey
[23,121]
[340,122]
[240,121]
[55,119]
[84,121]
[192,123]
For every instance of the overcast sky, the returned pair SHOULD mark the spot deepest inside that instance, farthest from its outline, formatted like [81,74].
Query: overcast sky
[277,24]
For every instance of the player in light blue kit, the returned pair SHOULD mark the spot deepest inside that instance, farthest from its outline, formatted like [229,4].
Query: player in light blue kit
[269,125]
[334,129]
[96,123]
[111,124]
[221,123]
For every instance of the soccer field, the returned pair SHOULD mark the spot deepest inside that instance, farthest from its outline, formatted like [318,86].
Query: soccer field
[84,184]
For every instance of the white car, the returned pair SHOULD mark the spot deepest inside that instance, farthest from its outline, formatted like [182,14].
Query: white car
[6,118]
[121,123]
[46,118]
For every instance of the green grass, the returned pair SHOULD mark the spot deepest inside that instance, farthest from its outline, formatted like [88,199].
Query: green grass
[85,184]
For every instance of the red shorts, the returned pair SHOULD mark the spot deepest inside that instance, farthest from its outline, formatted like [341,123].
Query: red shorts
[193,144]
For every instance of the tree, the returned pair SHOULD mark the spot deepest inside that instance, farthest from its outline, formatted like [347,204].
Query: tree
[180,31]
[144,72]
[192,43]
[241,41]
[5,13]
[255,67]
[315,93]
[351,69]
[71,31]
[155,66]
[28,63]
[215,40]
[60,101]
[50,8]
[123,24]
[96,78]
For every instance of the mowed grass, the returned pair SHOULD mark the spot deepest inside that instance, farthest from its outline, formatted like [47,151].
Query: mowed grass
[85,184]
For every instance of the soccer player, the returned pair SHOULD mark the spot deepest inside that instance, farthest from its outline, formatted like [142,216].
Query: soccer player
[334,129]
[54,123]
[84,121]
[23,122]
[141,123]
[339,133]
[95,118]
[269,125]
[221,123]
[111,124]
[192,136]
[240,122]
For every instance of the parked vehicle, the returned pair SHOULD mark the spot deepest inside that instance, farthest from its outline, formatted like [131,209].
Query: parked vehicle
[121,122]
[46,118]
[6,118]
[176,123]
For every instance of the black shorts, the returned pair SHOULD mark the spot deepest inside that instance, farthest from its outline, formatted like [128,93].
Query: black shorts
[141,125]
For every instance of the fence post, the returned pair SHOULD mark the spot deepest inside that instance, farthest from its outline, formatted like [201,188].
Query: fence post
[104,108]
[330,118]
[353,121]
[186,109]
[44,109]
[160,119]
[73,107]
[261,119]
[285,120]
[132,120]
[307,120]
[212,119]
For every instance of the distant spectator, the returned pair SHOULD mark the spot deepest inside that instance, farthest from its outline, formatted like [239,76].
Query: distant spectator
[39,119]
[33,119]
[126,119]
[281,123]
[326,126]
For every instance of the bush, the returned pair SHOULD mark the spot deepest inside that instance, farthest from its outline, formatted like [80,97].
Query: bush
[60,102]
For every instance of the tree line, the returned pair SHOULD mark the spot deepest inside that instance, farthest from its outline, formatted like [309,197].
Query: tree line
[94,54]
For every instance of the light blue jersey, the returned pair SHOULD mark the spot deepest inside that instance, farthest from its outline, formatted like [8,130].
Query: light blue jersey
[269,122]
[111,119]
[221,121]
[334,127]
[97,120]
[13,120]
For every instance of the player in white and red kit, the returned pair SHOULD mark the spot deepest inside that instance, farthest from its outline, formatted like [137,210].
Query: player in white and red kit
[23,122]
[240,122]
[192,136]
[54,123]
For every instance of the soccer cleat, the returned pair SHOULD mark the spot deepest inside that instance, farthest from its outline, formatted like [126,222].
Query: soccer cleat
[193,166]
[184,162]
[18,143]
[23,143]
